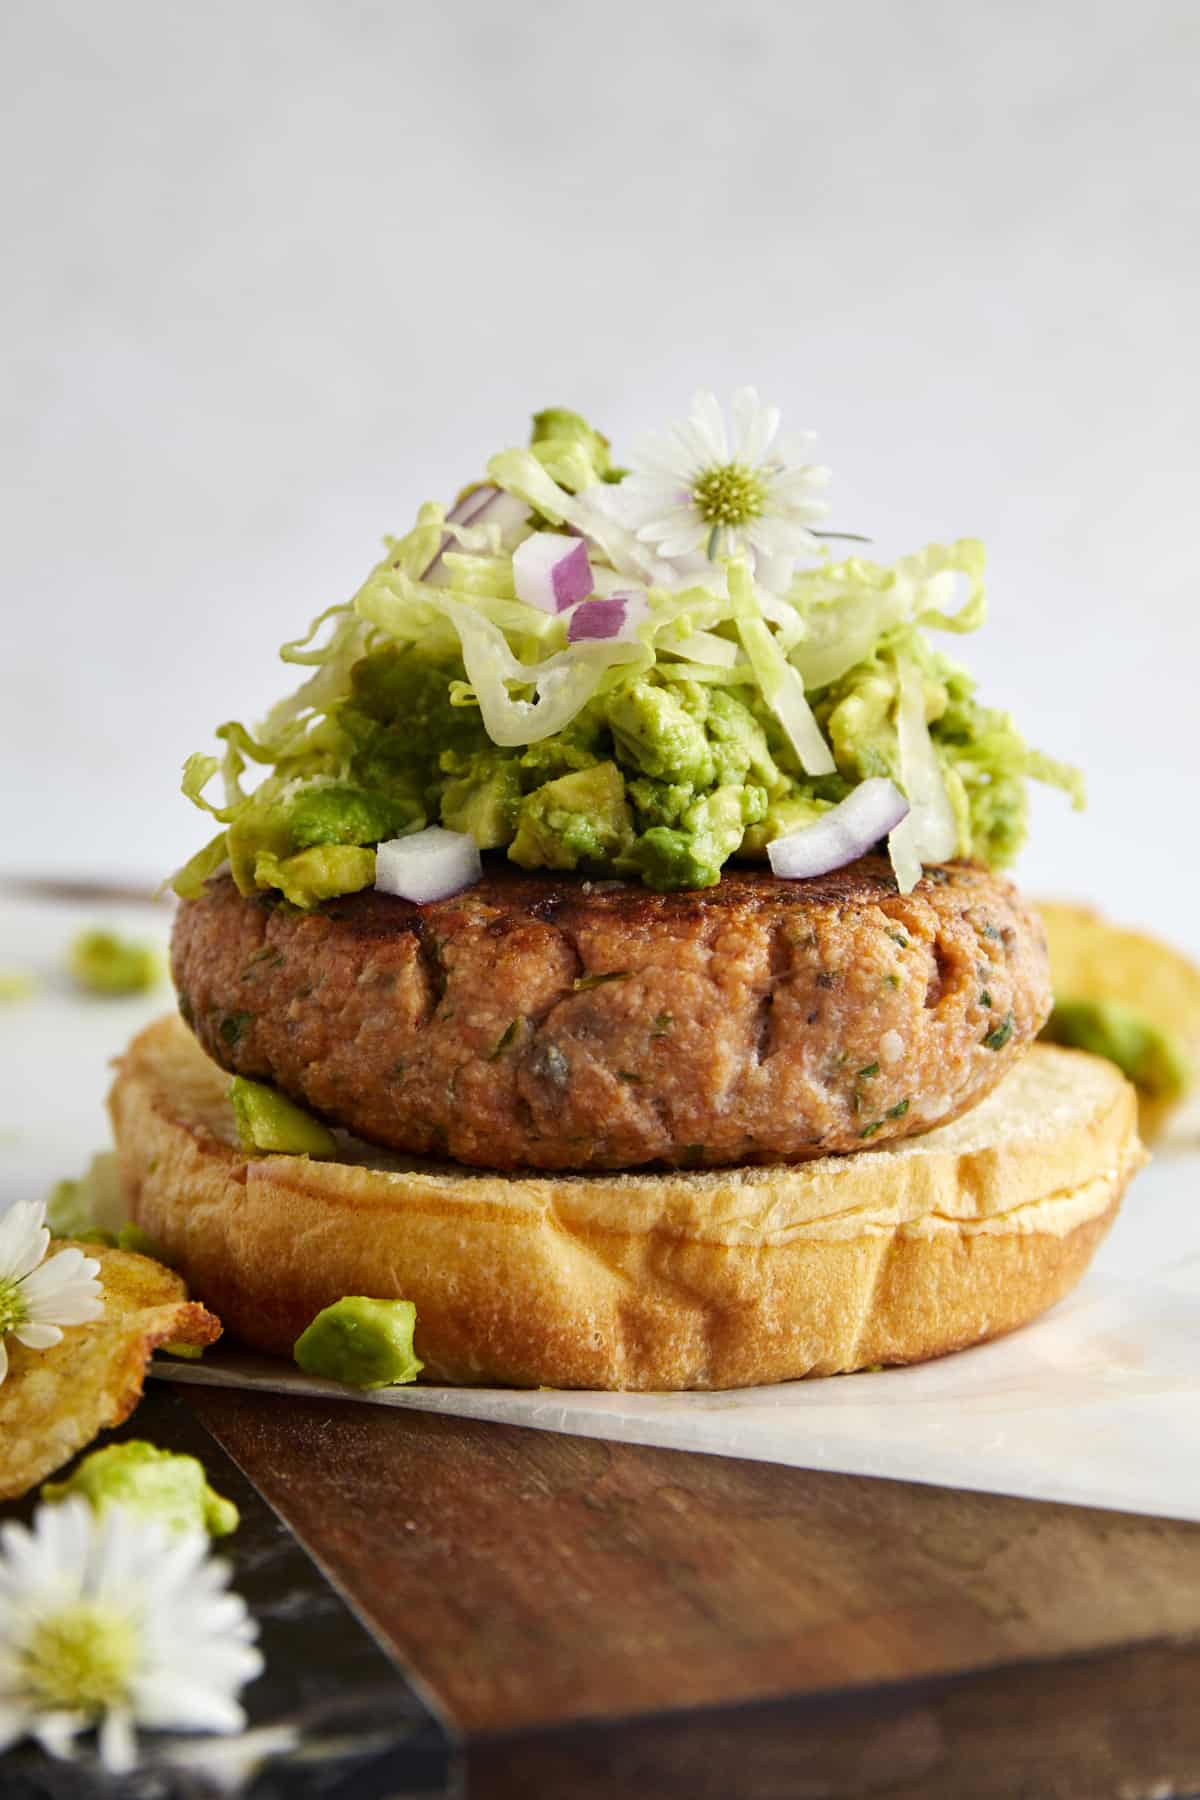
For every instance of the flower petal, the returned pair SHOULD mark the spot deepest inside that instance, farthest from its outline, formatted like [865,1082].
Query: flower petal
[659,456]
[643,501]
[64,1291]
[707,424]
[75,1306]
[773,572]
[118,1743]
[168,1701]
[64,1265]
[14,1723]
[805,483]
[56,1732]
[791,451]
[780,537]
[38,1337]
[683,539]
[756,426]
[24,1239]
[50,1560]
[679,518]
[229,1765]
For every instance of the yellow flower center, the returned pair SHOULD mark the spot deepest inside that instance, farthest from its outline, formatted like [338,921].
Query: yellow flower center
[730,495]
[13,1309]
[80,1659]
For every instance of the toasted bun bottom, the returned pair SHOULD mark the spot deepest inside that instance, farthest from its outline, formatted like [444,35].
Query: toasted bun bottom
[714,1279]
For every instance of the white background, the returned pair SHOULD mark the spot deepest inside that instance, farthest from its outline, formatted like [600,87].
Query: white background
[273,274]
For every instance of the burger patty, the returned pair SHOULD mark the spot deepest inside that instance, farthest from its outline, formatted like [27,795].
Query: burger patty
[550,1022]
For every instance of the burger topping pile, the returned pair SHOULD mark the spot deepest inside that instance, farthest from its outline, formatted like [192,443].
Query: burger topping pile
[632,672]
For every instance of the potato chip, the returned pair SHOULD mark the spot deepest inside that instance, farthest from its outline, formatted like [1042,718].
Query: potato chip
[1093,959]
[56,1401]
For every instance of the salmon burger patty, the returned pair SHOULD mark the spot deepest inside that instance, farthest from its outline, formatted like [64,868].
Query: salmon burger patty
[550,1022]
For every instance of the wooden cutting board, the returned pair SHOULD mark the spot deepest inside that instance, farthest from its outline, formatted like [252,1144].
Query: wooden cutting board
[594,1619]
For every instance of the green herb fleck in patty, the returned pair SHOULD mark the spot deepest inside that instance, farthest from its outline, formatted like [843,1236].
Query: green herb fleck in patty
[507,1037]
[232,1028]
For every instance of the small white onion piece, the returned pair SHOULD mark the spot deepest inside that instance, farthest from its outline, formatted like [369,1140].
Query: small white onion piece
[430,865]
[617,616]
[552,571]
[840,836]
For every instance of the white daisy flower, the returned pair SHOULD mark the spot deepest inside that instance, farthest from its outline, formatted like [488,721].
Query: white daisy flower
[114,1622]
[38,1297]
[697,491]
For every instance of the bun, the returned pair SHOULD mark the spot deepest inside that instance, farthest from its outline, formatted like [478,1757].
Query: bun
[714,1279]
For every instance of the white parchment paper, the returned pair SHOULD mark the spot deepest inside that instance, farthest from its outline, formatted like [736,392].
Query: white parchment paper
[1097,1404]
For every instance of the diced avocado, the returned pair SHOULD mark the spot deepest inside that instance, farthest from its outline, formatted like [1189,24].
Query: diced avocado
[656,734]
[659,802]
[583,744]
[346,815]
[712,830]
[103,963]
[156,1484]
[739,744]
[408,696]
[267,1122]
[1146,1055]
[320,873]
[580,818]
[861,726]
[363,1343]
[670,861]
[483,801]
[724,815]
[16,984]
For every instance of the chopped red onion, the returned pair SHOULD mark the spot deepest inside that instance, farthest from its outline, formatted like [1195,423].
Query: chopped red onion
[484,505]
[463,511]
[840,836]
[430,865]
[552,571]
[616,616]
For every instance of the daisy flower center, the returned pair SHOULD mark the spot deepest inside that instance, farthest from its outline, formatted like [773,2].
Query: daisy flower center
[80,1659]
[13,1307]
[729,495]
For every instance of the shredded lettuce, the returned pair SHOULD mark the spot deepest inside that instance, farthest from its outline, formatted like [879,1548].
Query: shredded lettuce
[779,683]
[930,831]
[434,695]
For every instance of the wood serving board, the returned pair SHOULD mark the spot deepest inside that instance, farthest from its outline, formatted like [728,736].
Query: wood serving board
[593,1619]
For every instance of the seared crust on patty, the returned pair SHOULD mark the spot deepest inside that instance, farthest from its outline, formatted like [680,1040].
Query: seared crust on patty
[549,1022]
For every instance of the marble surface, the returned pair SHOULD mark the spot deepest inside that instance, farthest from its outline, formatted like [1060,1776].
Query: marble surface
[330,1718]
[278,273]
